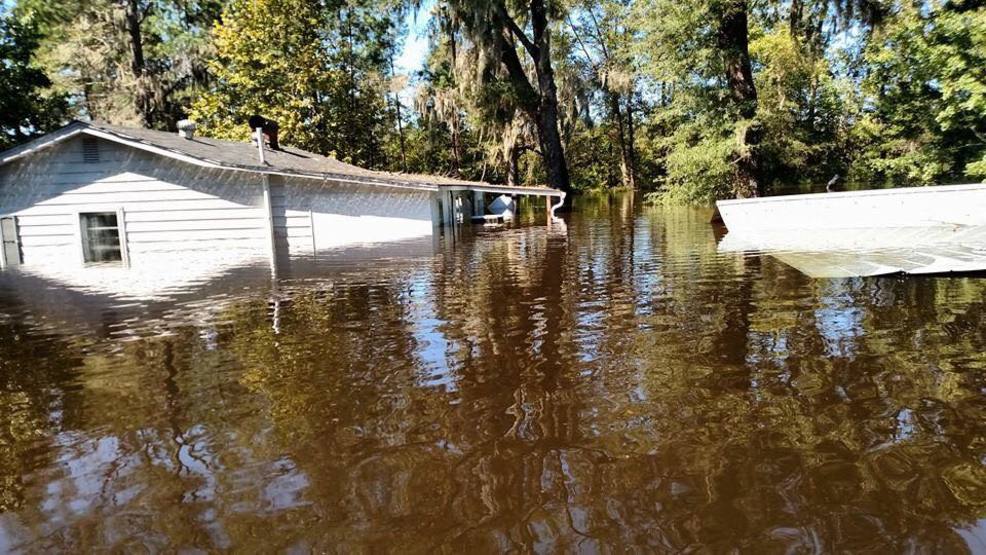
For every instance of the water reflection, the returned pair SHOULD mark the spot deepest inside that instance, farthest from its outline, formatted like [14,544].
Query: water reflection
[624,385]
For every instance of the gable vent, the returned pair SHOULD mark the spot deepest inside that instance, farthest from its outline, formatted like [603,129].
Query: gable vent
[90,150]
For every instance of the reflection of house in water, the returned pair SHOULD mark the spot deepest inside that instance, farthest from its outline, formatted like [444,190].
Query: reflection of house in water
[94,205]
[148,306]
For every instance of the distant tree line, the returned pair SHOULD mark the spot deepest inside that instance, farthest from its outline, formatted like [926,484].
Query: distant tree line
[691,100]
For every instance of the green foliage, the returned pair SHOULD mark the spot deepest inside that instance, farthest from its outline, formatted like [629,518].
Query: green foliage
[927,87]
[318,70]
[902,103]
[702,132]
[27,106]
[90,53]
[698,164]
[882,92]
[806,111]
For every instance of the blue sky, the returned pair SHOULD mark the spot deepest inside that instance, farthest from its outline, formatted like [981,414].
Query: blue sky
[415,46]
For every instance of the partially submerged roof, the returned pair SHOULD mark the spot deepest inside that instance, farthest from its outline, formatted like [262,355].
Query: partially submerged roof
[869,251]
[922,230]
[239,156]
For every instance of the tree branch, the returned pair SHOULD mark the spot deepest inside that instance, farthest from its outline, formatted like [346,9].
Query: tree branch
[516,31]
[585,49]
[146,11]
[518,77]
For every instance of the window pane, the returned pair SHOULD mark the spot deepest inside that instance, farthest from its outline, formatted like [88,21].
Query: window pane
[101,237]
[100,220]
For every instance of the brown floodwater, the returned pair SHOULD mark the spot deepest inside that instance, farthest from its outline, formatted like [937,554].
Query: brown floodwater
[619,385]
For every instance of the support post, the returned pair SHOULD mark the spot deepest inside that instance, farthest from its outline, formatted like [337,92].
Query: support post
[436,210]
[478,203]
[311,229]
[121,225]
[447,209]
[3,248]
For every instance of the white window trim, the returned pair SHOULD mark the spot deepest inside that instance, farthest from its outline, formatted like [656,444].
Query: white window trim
[121,224]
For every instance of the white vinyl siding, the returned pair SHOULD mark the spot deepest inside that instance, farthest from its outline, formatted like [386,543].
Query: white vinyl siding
[312,215]
[168,205]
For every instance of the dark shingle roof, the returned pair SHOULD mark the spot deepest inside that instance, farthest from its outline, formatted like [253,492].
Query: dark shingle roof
[244,157]
[287,159]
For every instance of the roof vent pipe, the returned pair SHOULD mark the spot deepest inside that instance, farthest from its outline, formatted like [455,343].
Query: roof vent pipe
[260,144]
[186,129]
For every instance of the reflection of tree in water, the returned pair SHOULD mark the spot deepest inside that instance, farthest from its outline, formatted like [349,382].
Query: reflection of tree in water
[813,450]
[626,385]
[578,410]
[34,405]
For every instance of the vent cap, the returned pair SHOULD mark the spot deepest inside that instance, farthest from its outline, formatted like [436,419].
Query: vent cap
[186,129]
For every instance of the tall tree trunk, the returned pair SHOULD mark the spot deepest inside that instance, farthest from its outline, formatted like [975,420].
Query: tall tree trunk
[142,99]
[540,104]
[794,18]
[400,131]
[616,114]
[400,122]
[550,136]
[547,121]
[456,146]
[455,125]
[734,41]
[513,165]
[353,117]
[631,143]
[538,100]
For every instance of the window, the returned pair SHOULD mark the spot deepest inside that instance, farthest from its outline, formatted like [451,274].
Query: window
[101,237]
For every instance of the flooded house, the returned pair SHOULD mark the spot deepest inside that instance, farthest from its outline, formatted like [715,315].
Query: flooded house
[92,203]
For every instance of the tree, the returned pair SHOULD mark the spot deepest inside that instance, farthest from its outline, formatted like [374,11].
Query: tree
[27,107]
[604,37]
[733,39]
[319,70]
[135,62]
[926,92]
[496,33]
[699,52]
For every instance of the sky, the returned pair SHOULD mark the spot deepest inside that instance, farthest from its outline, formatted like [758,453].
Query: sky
[415,46]
[414,50]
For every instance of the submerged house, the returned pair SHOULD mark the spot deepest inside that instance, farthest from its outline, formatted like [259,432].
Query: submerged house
[92,195]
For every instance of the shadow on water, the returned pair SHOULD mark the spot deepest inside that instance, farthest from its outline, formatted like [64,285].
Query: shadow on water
[618,385]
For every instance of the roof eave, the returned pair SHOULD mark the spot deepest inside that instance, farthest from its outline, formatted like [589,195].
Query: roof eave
[47,140]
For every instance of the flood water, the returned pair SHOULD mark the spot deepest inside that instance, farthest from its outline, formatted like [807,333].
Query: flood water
[619,385]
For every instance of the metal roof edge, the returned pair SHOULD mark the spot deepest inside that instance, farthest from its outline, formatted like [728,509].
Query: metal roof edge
[926,189]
